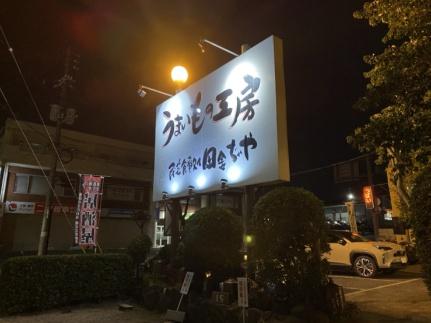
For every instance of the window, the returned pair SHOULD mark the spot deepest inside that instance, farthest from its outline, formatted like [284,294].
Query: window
[30,184]
[38,185]
[160,240]
[21,184]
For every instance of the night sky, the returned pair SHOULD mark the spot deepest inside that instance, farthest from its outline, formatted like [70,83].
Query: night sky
[124,43]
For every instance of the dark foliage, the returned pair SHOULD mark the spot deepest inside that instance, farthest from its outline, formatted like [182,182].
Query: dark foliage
[212,240]
[139,248]
[421,220]
[290,230]
[36,283]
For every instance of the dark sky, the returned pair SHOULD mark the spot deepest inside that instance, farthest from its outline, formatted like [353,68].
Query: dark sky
[124,43]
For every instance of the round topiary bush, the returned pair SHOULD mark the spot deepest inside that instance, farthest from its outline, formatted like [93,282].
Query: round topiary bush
[139,248]
[290,237]
[212,239]
[420,207]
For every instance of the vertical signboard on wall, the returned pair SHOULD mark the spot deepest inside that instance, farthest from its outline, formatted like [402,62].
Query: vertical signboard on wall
[228,128]
[367,192]
[88,210]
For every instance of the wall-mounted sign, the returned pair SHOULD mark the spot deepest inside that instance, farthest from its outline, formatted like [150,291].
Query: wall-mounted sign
[56,209]
[228,127]
[18,207]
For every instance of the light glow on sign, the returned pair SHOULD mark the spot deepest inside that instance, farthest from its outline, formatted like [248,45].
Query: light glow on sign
[174,187]
[201,181]
[235,79]
[233,174]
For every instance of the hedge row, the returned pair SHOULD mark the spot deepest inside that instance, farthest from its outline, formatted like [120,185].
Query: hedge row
[35,283]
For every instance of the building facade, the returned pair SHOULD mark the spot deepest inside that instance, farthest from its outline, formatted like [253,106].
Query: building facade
[127,208]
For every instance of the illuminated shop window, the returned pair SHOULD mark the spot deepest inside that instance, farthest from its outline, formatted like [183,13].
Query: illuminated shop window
[160,240]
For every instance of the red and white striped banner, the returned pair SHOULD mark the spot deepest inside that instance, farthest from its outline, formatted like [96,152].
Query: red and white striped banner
[88,210]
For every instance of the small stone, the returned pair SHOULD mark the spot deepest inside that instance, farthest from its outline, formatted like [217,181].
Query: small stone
[125,307]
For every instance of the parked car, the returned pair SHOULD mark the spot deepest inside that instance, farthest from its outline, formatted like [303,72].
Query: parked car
[354,252]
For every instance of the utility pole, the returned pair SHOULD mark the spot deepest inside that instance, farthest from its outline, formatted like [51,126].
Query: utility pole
[61,116]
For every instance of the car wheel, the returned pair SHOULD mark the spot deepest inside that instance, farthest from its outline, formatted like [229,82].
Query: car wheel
[365,266]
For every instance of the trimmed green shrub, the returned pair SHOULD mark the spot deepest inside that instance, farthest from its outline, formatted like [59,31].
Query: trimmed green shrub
[36,283]
[139,248]
[290,237]
[212,239]
[420,207]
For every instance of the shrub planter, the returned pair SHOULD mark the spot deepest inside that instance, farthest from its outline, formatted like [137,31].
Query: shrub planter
[40,282]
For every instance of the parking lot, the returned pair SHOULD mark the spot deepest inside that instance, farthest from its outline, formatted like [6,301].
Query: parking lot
[397,297]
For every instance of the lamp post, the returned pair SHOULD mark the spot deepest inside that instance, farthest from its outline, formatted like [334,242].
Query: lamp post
[179,76]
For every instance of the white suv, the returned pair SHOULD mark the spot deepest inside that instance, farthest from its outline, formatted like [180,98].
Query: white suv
[365,257]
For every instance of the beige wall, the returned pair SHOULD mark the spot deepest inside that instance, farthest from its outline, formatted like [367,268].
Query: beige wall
[22,231]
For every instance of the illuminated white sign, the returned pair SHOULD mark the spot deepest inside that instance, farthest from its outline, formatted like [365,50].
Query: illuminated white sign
[227,129]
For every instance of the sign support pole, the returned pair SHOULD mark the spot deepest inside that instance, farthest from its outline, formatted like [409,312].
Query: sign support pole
[245,209]
[179,303]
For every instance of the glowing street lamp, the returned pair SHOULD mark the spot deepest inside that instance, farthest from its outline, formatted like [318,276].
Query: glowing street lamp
[179,75]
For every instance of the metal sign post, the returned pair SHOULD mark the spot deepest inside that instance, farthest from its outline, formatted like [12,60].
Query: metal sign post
[242,295]
[178,316]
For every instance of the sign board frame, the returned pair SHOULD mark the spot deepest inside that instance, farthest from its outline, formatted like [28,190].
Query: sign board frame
[231,127]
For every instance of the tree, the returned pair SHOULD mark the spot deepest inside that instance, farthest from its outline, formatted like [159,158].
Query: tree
[290,237]
[138,249]
[398,89]
[421,220]
[212,240]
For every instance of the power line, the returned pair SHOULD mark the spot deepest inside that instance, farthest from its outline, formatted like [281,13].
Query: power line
[35,156]
[10,49]
[311,170]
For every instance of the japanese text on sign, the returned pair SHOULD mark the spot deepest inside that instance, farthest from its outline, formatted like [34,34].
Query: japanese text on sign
[245,103]
[88,210]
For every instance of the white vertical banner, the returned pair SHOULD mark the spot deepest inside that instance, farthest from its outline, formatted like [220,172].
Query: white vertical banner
[186,283]
[88,210]
[242,292]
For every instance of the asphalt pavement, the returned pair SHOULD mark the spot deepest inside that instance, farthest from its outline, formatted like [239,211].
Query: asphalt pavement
[398,297]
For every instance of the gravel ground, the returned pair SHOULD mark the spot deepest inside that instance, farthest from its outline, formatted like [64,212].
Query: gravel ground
[106,312]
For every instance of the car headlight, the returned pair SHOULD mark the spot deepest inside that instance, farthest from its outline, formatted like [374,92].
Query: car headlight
[386,248]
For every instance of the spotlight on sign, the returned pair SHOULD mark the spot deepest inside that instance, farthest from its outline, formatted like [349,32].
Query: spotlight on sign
[223,183]
[190,189]
[141,91]
[201,46]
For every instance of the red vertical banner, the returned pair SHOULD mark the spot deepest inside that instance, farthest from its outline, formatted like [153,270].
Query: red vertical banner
[88,210]
[367,192]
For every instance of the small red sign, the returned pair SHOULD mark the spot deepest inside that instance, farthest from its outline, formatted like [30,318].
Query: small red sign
[368,197]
